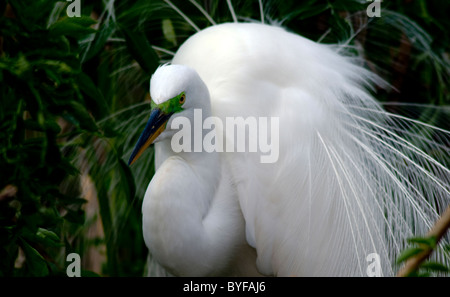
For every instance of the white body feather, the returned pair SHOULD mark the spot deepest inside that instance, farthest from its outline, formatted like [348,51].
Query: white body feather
[342,187]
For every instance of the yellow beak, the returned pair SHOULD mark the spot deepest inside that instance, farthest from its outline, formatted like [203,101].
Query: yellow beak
[155,126]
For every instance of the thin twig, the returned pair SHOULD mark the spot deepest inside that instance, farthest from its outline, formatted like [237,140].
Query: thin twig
[437,232]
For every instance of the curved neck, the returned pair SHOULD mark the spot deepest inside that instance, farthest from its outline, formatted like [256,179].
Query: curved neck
[191,218]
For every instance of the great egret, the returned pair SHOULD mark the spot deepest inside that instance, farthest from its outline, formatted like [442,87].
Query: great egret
[344,186]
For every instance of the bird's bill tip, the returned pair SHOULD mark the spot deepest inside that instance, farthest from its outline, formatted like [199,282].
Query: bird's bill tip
[155,126]
[138,152]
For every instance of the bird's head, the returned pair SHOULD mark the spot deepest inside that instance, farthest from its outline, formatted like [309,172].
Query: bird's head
[176,90]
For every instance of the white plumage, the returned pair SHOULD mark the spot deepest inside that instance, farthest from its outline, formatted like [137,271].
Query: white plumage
[344,185]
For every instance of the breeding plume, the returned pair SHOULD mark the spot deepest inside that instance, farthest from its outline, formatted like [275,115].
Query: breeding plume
[345,185]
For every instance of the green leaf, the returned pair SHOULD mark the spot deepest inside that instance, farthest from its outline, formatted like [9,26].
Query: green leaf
[446,248]
[34,261]
[435,266]
[129,186]
[422,274]
[19,66]
[55,66]
[141,50]
[85,121]
[88,87]
[84,21]
[169,31]
[48,238]
[101,36]
[429,242]
[408,253]
[49,125]
[76,27]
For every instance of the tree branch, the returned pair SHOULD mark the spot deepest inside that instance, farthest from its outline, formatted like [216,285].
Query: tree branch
[438,232]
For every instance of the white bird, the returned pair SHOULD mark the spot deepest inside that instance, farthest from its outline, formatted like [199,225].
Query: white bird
[344,186]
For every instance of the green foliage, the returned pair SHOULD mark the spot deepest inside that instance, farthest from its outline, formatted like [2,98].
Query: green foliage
[427,268]
[40,90]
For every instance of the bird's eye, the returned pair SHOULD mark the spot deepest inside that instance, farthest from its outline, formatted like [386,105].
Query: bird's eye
[182,98]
